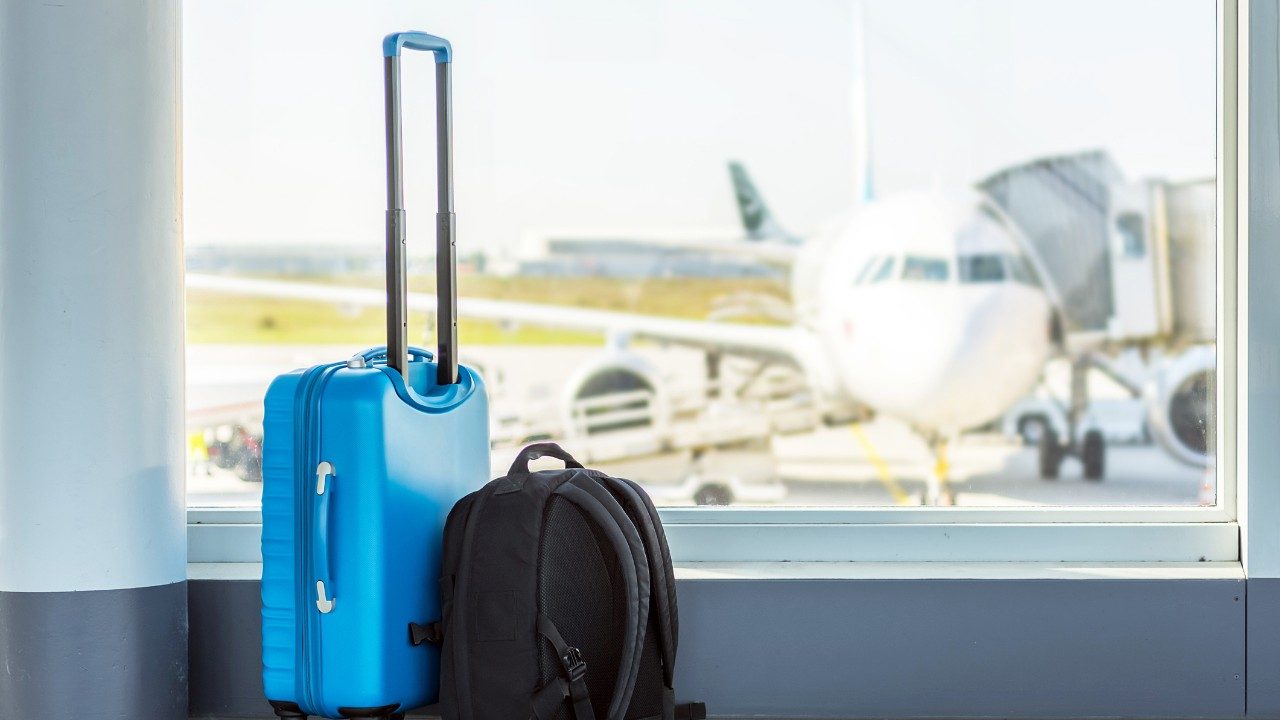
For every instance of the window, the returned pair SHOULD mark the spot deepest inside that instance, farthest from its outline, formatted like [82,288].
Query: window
[866,270]
[886,270]
[981,268]
[925,269]
[1132,235]
[1011,179]
[1021,272]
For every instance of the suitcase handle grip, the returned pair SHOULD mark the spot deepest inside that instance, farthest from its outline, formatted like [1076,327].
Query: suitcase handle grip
[325,597]
[446,250]
[380,353]
[537,450]
[414,40]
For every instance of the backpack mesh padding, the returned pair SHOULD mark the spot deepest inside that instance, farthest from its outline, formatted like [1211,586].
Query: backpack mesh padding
[580,589]
[646,699]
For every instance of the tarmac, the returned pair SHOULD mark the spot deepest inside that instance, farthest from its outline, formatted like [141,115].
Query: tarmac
[824,467]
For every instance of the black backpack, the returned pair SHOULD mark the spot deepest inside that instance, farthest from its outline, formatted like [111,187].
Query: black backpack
[558,600]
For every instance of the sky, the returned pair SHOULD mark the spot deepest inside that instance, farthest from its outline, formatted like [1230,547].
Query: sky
[586,116]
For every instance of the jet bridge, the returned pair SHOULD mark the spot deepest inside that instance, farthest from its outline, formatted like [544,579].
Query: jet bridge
[1128,261]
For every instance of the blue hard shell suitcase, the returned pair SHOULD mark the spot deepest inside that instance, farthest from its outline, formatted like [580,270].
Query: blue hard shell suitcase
[362,461]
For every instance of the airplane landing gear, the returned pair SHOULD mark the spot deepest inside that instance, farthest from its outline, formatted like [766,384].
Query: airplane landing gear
[1051,453]
[1091,449]
[938,490]
[1093,453]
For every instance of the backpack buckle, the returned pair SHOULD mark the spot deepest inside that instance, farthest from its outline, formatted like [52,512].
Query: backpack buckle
[574,666]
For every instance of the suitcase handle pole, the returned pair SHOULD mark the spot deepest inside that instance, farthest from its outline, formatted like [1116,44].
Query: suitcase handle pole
[446,241]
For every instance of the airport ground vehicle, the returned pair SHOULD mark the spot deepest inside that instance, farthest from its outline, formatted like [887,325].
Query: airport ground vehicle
[238,448]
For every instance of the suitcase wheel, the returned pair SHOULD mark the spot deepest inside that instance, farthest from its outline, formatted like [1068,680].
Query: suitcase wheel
[287,710]
[386,712]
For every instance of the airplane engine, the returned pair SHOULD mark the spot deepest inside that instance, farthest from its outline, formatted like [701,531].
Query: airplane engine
[1180,403]
[616,391]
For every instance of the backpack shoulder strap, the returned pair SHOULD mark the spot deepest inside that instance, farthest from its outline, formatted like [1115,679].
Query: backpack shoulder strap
[584,492]
[661,576]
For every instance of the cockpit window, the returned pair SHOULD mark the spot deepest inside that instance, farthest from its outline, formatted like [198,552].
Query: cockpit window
[1021,271]
[925,269]
[995,268]
[984,268]
[885,271]
[866,269]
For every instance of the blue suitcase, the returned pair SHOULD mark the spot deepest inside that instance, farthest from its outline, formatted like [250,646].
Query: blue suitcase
[362,460]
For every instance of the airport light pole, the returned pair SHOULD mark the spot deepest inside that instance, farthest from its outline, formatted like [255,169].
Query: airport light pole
[93,614]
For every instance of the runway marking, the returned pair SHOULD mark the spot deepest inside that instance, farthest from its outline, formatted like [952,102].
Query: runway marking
[882,468]
[942,471]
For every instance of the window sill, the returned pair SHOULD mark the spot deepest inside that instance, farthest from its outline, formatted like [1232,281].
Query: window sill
[234,536]
[783,571]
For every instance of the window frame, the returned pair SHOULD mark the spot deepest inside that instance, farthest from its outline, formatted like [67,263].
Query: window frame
[984,535]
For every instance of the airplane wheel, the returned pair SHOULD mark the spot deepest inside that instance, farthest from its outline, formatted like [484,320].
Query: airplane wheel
[1032,429]
[1050,455]
[713,495]
[1094,455]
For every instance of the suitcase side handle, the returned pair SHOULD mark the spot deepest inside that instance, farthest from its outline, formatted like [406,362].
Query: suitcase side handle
[325,596]
[446,247]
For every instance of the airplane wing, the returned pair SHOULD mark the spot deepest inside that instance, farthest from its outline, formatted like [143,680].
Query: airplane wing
[763,341]
[777,254]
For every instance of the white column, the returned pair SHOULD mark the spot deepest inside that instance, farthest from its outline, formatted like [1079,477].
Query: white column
[91,393]
[91,374]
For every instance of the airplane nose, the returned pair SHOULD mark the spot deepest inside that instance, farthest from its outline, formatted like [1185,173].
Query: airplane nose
[968,358]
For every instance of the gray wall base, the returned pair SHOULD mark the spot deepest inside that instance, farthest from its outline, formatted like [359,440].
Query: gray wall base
[1264,648]
[109,654]
[964,648]
[894,648]
[226,649]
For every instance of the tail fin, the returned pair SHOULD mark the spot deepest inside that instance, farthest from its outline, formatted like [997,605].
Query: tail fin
[757,220]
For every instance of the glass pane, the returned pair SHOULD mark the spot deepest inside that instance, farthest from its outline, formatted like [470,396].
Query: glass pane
[886,270]
[981,268]
[925,269]
[1129,225]
[1020,271]
[643,294]
[866,270]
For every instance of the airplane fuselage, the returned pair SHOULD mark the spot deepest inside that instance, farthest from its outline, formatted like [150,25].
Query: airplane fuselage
[926,310]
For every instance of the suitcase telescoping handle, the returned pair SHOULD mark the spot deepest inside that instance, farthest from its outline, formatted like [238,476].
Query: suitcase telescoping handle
[446,274]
